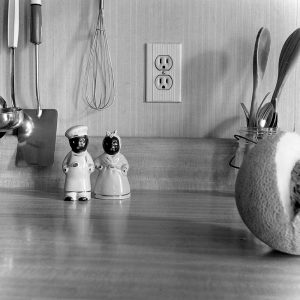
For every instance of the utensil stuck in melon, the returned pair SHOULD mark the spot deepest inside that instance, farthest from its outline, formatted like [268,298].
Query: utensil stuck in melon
[267,191]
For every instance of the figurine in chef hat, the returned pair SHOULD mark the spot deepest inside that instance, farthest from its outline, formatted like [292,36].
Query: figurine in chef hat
[78,165]
[112,181]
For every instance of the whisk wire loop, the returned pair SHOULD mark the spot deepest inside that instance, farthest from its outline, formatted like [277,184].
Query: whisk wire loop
[99,82]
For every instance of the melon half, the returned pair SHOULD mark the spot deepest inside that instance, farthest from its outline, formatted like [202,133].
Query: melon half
[267,191]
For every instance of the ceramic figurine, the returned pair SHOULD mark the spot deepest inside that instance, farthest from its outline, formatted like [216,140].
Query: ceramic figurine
[78,165]
[112,181]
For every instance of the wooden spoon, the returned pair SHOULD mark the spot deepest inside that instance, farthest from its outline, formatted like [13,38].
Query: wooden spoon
[260,59]
[287,59]
[288,56]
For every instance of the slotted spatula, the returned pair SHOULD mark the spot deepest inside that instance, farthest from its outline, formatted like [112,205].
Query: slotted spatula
[38,149]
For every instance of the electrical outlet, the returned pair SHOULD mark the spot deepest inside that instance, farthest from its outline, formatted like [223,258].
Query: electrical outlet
[163,62]
[163,82]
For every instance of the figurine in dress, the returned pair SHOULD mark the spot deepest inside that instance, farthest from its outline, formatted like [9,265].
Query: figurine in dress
[78,165]
[112,181]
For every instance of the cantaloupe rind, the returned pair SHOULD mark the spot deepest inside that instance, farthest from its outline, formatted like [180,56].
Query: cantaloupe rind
[263,192]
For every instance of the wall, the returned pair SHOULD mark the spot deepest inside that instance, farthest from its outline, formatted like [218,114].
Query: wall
[217,37]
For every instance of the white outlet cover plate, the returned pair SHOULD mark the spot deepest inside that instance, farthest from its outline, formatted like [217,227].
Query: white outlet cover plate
[174,93]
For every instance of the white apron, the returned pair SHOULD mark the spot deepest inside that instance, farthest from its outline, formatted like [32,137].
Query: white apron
[112,181]
[79,166]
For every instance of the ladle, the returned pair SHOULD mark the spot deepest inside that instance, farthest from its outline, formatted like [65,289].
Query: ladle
[13,117]
[26,128]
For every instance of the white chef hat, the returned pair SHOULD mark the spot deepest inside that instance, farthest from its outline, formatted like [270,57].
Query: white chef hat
[78,130]
[39,2]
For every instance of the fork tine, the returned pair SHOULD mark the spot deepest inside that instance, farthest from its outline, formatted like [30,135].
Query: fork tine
[264,114]
[261,104]
[246,112]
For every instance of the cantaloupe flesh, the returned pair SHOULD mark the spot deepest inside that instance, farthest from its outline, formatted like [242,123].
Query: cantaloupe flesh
[287,160]
[295,188]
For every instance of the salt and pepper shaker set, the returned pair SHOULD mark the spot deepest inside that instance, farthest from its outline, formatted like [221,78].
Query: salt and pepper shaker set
[111,182]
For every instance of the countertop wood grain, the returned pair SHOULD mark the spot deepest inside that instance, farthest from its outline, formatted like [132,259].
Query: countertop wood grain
[157,245]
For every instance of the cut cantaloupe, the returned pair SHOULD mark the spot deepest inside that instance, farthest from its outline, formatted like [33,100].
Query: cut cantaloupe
[267,191]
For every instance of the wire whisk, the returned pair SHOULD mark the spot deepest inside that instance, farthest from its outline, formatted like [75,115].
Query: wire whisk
[99,83]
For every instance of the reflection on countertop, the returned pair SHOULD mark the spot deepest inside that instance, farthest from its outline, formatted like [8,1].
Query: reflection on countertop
[156,245]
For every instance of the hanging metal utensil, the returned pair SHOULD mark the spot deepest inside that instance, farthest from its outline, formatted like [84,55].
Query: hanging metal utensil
[16,114]
[11,117]
[38,148]
[12,39]
[99,83]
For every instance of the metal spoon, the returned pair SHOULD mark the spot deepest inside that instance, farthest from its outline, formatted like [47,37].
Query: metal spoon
[263,116]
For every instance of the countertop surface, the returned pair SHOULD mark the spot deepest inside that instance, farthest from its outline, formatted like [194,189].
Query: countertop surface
[157,245]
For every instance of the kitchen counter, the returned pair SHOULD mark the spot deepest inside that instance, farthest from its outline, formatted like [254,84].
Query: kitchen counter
[157,245]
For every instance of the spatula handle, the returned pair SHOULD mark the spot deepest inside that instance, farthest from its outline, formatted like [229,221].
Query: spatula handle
[13,23]
[36,22]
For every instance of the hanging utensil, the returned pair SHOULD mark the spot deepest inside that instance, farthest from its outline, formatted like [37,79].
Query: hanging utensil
[12,39]
[260,59]
[38,148]
[14,114]
[11,117]
[99,83]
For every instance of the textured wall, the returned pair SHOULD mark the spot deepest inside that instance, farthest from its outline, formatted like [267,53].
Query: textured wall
[217,37]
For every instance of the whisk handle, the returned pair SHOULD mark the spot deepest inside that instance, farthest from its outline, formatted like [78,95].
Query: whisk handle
[36,22]
[101,4]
